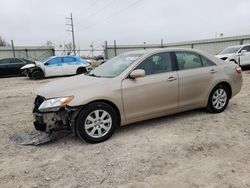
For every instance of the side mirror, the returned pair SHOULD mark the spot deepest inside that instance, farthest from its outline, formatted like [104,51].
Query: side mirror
[46,63]
[137,73]
[243,52]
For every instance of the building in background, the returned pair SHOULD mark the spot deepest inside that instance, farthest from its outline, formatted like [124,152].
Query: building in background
[34,53]
[212,46]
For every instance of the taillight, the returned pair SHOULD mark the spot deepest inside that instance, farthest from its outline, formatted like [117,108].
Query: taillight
[238,69]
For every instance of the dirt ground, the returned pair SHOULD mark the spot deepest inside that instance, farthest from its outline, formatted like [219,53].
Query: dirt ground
[192,149]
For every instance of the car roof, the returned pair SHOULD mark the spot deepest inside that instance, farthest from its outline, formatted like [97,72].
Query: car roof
[155,50]
[64,56]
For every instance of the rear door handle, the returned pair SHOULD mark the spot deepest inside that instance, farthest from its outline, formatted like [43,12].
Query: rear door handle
[171,78]
[213,71]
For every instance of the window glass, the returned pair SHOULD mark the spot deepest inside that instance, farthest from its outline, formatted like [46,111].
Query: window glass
[188,60]
[16,60]
[206,62]
[247,48]
[54,61]
[69,59]
[115,66]
[230,50]
[157,63]
[4,61]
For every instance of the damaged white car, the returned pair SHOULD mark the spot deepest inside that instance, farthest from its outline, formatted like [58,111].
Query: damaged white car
[56,66]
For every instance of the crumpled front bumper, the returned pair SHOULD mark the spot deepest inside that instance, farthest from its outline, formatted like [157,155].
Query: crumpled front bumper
[63,119]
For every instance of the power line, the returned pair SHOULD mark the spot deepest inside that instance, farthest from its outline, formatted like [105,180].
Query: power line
[96,12]
[86,9]
[111,16]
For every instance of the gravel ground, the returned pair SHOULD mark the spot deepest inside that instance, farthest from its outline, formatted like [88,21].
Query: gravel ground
[192,149]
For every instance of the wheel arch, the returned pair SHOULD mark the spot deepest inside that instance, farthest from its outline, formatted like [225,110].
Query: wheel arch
[117,111]
[81,68]
[37,69]
[82,107]
[226,84]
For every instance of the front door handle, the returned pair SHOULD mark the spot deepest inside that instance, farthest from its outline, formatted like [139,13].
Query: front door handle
[171,78]
[213,71]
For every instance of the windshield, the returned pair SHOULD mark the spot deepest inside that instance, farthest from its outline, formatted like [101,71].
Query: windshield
[48,59]
[230,50]
[115,66]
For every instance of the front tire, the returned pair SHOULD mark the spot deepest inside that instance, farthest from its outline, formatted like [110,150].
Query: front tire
[218,99]
[96,123]
[37,75]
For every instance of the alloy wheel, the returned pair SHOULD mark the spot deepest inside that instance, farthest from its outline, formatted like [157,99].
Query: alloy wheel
[98,123]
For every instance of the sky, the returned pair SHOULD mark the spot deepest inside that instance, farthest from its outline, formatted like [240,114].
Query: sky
[34,22]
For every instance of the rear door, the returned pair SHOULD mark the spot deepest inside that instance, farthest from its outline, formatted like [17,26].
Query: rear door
[196,76]
[157,92]
[245,57]
[70,65]
[4,67]
[53,67]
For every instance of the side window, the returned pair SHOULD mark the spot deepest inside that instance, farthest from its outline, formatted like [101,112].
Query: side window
[247,48]
[16,60]
[157,63]
[69,60]
[206,62]
[188,60]
[5,61]
[55,61]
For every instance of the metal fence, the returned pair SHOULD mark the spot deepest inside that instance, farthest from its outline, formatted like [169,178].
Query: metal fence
[32,53]
[212,46]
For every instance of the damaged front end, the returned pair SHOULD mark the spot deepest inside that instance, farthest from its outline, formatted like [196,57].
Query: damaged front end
[54,115]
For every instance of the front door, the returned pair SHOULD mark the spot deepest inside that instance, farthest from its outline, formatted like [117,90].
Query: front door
[157,92]
[53,67]
[245,57]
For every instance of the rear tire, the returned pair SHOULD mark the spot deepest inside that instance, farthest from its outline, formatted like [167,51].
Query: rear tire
[37,75]
[96,123]
[218,99]
[81,70]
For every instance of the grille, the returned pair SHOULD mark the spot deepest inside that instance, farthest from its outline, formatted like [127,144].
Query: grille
[38,101]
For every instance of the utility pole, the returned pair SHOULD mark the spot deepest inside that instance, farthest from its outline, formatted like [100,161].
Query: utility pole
[92,49]
[13,49]
[72,31]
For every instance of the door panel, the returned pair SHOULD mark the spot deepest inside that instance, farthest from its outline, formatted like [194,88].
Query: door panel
[150,94]
[15,65]
[70,65]
[245,58]
[4,67]
[54,67]
[196,76]
[194,85]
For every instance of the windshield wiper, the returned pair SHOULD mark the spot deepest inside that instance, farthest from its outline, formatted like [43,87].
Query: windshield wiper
[94,75]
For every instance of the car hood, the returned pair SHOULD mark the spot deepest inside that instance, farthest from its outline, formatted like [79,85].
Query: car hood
[72,86]
[224,55]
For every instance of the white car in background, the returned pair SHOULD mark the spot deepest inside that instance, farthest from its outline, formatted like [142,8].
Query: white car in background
[239,54]
[56,66]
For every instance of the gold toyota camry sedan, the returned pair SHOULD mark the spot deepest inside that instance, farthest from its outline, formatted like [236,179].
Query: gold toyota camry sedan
[136,86]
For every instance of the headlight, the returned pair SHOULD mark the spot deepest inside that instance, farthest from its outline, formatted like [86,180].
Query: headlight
[54,104]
